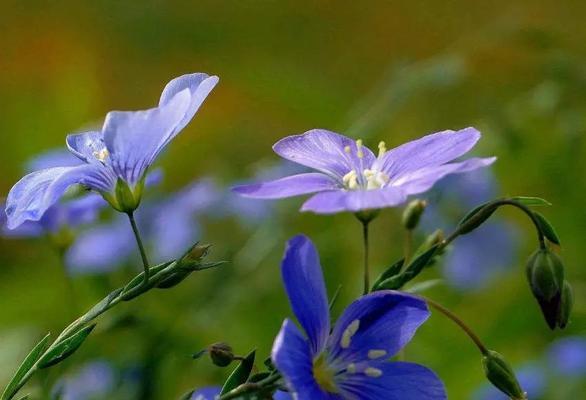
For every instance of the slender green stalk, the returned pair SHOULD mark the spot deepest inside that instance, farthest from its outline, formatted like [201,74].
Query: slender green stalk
[266,384]
[366,265]
[145,261]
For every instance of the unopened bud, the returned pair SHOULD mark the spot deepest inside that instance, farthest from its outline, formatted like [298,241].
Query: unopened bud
[412,213]
[545,273]
[221,354]
[501,375]
[124,198]
[566,305]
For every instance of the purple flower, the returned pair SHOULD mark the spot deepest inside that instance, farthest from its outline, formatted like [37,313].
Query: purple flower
[478,257]
[350,177]
[94,380]
[533,380]
[353,360]
[115,159]
[567,356]
[212,392]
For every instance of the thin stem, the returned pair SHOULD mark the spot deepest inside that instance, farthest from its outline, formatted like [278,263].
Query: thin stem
[145,261]
[366,265]
[458,322]
[248,387]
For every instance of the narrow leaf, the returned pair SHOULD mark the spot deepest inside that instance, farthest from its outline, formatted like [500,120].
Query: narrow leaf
[65,348]
[389,272]
[101,306]
[417,265]
[423,286]
[531,201]
[547,229]
[476,217]
[32,357]
[240,374]
[335,297]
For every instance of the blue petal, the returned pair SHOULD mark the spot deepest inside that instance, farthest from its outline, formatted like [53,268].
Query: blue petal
[200,85]
[135,138]
[87,146]
[53,158]
[398,381]
[82,210]
[567,356]
[30,197]
[289,186]
[206,393]
[334,201]
[387,321]
[293,358]
[304,283]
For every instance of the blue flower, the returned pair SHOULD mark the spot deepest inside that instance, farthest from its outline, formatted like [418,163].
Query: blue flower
[567,356]
[67,213]
[96,379]
[351,362]
[212,392]
[533,380]
[116,158]
[478,257]
[349,177]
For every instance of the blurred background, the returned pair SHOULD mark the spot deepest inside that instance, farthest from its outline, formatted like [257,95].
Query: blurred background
[384,70]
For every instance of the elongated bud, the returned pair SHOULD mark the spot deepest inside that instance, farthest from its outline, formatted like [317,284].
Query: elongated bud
[476,217]
[501,375]
[566,305]
[412,213]
[545,273]
[221,354]
[125,199]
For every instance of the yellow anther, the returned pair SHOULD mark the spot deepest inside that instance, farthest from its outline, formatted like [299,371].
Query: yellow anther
[359,151]
[347,149]
[351,180]
[374,354]
[102,154]
[348,333]
[373,372]
[351,368]
[382,148]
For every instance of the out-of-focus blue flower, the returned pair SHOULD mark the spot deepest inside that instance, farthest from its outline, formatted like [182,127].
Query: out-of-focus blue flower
[212,392]
[567,356]
[353,360]
[67,213]
[350,177]
[169,227]
[115,159]
[94,380]
[478,257]
[533,380]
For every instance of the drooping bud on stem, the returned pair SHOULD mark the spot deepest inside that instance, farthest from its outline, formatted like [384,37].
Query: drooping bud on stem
[412,213]
[566,305]
[545,273]
[501,375]
[221,354]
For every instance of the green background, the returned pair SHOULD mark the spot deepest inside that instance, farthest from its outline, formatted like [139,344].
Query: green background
[380,70]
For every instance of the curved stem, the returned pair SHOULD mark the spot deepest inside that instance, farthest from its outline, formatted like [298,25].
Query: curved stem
[483,349]
[366,266]
[145,261]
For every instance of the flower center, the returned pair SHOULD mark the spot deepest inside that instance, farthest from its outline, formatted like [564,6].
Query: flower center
[324,375]
[365,178]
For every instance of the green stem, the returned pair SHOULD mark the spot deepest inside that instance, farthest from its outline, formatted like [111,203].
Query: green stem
[366,265]
[408,246]
[483,349]
[266,384]
[145,261]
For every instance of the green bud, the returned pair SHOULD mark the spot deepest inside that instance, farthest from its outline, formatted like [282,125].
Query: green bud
[545,273]
[566,305]
[125,199]
[501,375]
[221,354]
[476,217]
[412,213]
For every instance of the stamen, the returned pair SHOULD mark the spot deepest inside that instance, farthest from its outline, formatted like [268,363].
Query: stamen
[373,372]
[382,148]
[347,149]
[359,151]
[101,155]
[351,180]
[351,368]
[348,333]
[376,353]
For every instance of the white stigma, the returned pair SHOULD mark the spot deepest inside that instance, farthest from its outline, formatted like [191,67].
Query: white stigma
[373,372]
[376,353]
[348,333]
[102,154]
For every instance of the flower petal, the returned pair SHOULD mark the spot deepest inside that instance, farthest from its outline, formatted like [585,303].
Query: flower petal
[292,357]
[387,320]
[431,150]
[289,186]
[334,201]
[52,158]
[135,138]
[30,197]
[423,179]
[324,151]
[87,146]
[304,283]
[200,85]
[398,381]
[206,393]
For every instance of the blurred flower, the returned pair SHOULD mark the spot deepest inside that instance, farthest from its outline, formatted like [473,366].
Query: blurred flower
[567,356]
[67,213]
[115,159]
[169,227]
[479,256]
[94,380]
[352,362]
[350,178]
[212,392]
[532,378]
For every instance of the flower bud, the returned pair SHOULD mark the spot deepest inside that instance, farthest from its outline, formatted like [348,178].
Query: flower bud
[125,199]
[221,354]
[545,273]
[412,213]
[501,375]
[567,302]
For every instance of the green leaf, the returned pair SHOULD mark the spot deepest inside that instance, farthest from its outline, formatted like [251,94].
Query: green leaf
[389,272]
[102,306]
[476,217]
[335,297]
[531,201]
[15,383]
[65,347]
[240,374]
[417,265]
[547,229]
[423,286]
